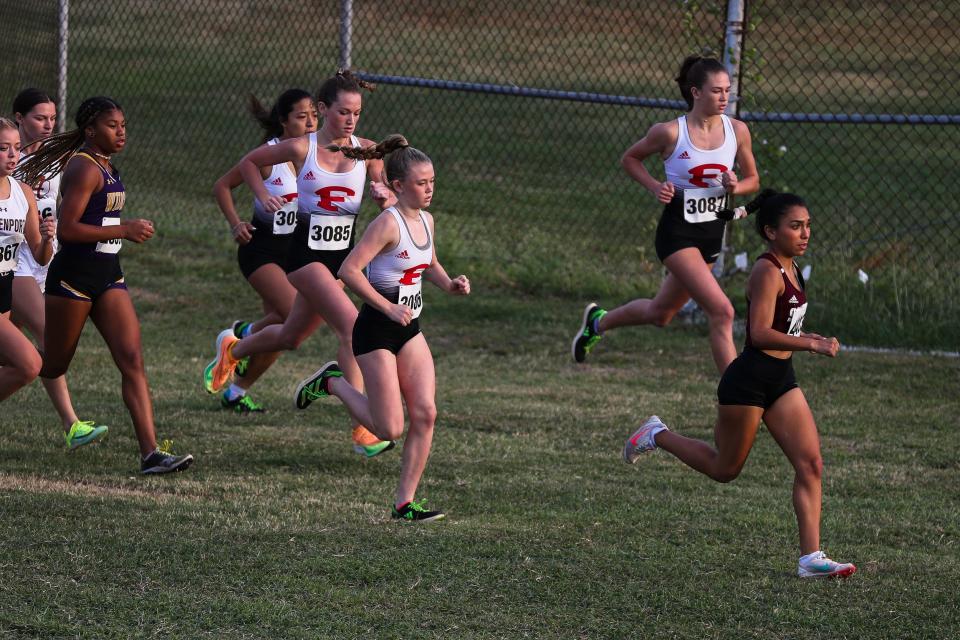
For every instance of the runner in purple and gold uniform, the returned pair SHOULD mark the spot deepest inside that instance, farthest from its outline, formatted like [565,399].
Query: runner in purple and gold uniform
[85,278]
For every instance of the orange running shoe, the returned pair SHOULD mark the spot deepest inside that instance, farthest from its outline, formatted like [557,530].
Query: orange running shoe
[367,444]
[223,366]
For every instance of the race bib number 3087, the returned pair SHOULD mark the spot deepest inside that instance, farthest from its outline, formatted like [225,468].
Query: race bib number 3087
[330,233]
[701,205]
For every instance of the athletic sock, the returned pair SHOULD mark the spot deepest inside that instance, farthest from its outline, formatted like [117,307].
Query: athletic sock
[233,392]
[595,325]
[247,328]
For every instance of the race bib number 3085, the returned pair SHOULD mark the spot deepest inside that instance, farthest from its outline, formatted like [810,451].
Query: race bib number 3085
[110,246]
[330,233]
[701,205]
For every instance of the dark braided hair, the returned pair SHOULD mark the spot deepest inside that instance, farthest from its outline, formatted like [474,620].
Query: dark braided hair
[395,148]
[694,72]
[56,151]
[272,121]
[342,80]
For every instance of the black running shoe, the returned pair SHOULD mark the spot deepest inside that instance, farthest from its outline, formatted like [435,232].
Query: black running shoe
[586,337]
[414,511]
[315,387]
[243,404]
[159,462]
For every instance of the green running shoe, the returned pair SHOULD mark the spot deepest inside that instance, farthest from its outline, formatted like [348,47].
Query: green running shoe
[315,386]
[208,377]
[239,326]
[84,432]
[243,404]
[242,365]
[372,450]
[414,511]
[586,337]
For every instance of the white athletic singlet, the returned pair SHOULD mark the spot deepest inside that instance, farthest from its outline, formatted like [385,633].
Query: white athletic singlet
[395,273]
[696,172]
[46,206]
[13,216]
[281,182]
[329,202]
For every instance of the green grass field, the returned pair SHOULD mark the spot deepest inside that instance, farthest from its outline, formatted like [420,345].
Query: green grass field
[280,531]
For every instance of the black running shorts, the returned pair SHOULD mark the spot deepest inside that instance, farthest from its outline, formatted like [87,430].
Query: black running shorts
[83,278]
[674,233]
[756,379]
[301,255]
[373,331]
[264,248]
[6,291]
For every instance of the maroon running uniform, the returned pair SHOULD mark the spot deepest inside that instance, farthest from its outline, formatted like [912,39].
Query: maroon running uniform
[756,378]
[791,304]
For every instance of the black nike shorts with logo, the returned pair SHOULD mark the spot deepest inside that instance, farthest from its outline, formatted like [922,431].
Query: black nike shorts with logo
[675,233]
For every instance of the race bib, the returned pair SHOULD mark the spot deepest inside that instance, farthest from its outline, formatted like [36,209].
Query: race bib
[110,246]
[9,246]
[411,296]
[330,233]
[46,207]
[796,319]
[285,219]
[701,205]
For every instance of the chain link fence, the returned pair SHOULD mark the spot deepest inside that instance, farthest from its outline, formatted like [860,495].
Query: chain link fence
[852,105]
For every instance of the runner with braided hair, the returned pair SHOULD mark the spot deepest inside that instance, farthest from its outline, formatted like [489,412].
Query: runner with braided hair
[85,278]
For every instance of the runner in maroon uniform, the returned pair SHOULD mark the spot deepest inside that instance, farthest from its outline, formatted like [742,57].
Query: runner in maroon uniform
[760,384]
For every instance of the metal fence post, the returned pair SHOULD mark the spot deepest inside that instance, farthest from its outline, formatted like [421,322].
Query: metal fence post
[732,47]
[346,33]
[63,36]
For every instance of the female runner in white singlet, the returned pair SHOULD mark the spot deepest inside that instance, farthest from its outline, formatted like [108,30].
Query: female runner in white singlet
[264,243]
[699,151]
[36,115]
[19,222]
[329,191]
[398,252]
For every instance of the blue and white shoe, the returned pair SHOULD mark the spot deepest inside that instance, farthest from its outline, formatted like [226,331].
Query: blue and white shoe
[818,565]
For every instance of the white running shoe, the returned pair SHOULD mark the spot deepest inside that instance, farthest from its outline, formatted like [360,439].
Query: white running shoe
[818,565]
[642,439]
